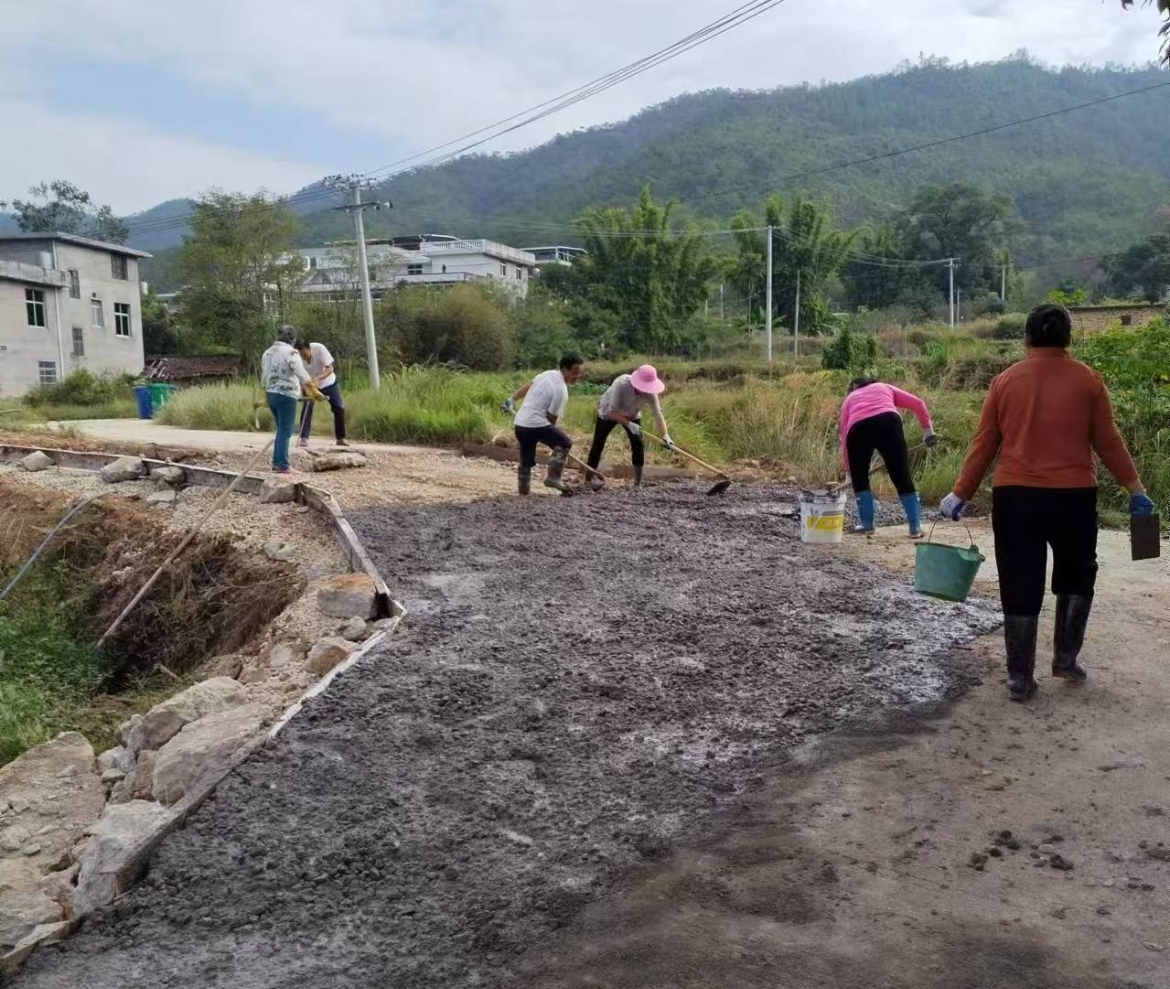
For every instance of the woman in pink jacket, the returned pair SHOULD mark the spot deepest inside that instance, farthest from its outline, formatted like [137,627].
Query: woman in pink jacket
[870,421]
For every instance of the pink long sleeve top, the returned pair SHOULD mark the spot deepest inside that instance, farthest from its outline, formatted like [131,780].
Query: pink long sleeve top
[875,400]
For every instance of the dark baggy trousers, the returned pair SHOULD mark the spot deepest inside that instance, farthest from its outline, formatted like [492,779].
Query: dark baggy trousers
[529,436]
[1026,521]
[333,393]
[883,433]
[601,430]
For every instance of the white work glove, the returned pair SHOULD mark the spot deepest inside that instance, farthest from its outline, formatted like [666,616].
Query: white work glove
[509,406]
[929,440]
[634,428]
[667,441]
[952,507]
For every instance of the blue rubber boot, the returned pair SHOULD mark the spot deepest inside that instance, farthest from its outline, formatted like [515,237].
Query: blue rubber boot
[865,513]
[913,509]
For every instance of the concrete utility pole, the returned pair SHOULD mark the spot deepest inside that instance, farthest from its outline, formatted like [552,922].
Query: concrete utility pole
[951,295]
[1003,283]
[796,320]
[357,209]
[768,293]
[722,317]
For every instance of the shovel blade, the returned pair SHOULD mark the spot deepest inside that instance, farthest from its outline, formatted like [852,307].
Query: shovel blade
[1145,537]
[719,487]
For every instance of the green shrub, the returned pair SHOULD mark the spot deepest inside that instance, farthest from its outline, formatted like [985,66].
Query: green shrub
[849,351]
[1010,326]
[82,387]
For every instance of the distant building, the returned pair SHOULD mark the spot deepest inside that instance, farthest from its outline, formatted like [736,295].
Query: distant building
[66,302]
[195,370]
[1089,318]
[555,255]
[432,259]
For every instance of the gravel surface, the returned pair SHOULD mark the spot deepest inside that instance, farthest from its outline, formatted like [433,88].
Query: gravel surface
[580,684]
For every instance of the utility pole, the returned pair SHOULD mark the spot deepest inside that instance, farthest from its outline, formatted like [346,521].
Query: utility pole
[951,295]
[357,209]
[1003,283]
[768,292]
[796,320]
[722,316]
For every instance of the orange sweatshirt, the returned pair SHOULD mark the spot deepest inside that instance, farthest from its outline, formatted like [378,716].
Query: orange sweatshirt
[1044,417]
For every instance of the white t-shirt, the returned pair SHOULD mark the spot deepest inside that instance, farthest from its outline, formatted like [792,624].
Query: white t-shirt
[549,395]
[622,397]
[319,359]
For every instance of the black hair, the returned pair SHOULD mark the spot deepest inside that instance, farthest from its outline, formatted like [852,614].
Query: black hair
[1048,325]
[300,344]
[861,383]
[570,361]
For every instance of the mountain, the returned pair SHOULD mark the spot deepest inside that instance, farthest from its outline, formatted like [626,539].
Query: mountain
[1088,181]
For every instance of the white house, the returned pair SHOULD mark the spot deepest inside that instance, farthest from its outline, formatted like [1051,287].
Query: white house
[427,260]
[66,302]
[560,254]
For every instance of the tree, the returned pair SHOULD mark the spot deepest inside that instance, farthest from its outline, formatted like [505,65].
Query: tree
[61,206]
[160,332]
[961,221]
[238,271]
[641,281]
[1164,8]
[1144,266]
[804,243]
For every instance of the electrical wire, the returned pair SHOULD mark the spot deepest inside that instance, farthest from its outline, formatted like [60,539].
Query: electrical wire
[433,156]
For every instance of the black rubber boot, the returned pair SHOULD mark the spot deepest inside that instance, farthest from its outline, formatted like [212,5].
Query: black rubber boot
[637,476]
[523,481]
[1019,636]
[556,467]
[1072,615]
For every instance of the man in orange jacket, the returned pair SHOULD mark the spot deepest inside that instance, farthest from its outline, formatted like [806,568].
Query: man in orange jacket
[1045,417]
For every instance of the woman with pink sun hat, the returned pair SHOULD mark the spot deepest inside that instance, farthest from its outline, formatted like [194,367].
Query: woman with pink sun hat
[622,404]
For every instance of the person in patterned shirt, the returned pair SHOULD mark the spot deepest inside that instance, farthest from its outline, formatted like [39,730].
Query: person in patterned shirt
[284,378]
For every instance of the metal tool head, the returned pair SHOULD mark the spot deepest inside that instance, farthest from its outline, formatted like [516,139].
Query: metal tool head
[719,486]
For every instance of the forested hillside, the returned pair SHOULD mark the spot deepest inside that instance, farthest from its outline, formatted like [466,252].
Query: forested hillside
[1086,181]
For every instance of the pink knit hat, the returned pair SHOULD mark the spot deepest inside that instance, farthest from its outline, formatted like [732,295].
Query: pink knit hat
[646,380]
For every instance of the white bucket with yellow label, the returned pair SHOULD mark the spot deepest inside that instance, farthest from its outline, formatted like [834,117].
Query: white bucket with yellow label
[822,517]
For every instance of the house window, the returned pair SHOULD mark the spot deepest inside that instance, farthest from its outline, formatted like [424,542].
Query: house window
[78,342]
[1127,320]
[312,263]
[119,267]
[74,284]
[47,372]
[503,271]
[520,274]
[99,315]
[414,269]
[121,319]
[34,306]
[444,269]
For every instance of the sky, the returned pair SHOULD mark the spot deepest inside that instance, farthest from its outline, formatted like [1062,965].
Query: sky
[141,102]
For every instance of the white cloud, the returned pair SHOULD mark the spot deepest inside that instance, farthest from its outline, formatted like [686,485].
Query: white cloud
[416,75]
[129,165]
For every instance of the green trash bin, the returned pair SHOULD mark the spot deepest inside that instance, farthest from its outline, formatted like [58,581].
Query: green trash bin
[946,572]
[160,394]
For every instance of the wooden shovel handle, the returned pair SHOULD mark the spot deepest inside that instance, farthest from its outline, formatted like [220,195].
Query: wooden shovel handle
[585,466]
[689,456]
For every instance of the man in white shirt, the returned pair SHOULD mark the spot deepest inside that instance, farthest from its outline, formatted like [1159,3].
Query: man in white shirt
[284,379]
[320,364]
[545,399]
[623,403]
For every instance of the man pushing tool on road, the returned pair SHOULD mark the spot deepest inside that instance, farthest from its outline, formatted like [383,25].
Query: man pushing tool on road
[622,404]
[319,362]
[1045,417]
[545,399]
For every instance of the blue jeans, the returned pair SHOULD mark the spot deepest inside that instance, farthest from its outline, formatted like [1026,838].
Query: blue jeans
[284,411]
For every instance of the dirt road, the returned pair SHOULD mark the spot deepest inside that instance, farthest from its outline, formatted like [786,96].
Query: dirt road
[599,756]
[580,684]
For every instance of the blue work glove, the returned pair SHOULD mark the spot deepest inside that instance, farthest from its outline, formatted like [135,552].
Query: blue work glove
[1140,505]
[952,507]
[929,440]
[509,406]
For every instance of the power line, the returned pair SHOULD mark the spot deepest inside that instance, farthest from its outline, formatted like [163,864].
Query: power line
[735,18]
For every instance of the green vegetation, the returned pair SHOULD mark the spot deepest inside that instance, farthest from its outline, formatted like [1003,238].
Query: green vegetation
[81,395]
[45,673]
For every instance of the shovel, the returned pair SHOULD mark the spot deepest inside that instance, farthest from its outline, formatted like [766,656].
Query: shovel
[719,486]
[585,467]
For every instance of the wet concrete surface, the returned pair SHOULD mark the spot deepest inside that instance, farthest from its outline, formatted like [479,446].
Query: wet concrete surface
[581,685]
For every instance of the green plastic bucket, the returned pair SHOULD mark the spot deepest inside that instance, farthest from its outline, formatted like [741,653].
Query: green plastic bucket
[946,572]
[160,394]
